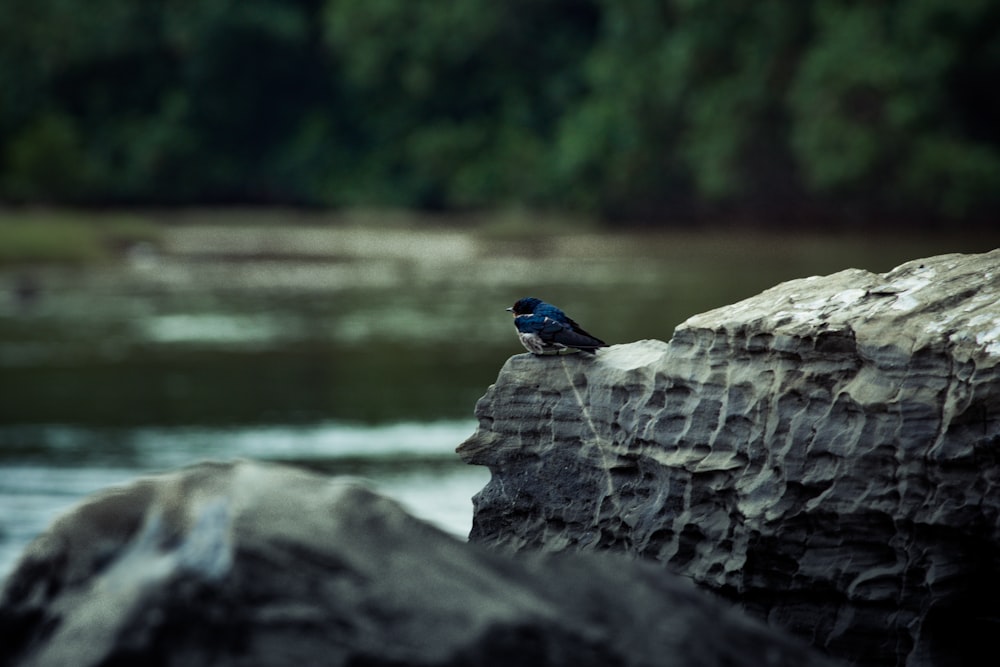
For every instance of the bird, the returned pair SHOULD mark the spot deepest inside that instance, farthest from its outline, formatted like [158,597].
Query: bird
[544,329]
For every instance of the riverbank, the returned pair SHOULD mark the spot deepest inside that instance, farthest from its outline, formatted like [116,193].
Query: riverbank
[81,237]
[71,237]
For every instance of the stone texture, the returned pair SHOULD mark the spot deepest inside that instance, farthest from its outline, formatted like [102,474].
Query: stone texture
[253,564]
[826,453]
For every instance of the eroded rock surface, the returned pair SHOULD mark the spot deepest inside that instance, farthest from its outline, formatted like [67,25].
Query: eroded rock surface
[826,453]
[252,564]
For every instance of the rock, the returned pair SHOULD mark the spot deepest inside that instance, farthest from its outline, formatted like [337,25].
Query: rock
[253,564]
[825,453]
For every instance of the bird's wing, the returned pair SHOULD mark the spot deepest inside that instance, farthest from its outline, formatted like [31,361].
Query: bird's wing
[579,330]
[565,333]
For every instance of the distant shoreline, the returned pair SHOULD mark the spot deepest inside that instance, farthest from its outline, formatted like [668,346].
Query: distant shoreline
[65,236]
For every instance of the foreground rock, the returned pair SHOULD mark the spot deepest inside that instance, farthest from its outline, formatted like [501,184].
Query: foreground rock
[825,452]
[247,564]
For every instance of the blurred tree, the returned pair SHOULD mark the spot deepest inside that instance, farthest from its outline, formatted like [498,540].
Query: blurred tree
[873,105]
[46,161]
[179,100]
[461,99]
[255,81]
[684,104]
[658,109]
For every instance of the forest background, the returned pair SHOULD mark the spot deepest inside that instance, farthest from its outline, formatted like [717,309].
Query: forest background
[833,111]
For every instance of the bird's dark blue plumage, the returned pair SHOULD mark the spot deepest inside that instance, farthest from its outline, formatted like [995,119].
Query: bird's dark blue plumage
[544,329]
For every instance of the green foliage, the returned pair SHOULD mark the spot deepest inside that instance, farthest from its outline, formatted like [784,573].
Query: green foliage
[612,107]
[460,100]
[843,97]
[46,160]
[871,101]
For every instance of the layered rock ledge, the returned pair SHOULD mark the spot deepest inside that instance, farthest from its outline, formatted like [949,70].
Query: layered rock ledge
[826,453]
[252,564]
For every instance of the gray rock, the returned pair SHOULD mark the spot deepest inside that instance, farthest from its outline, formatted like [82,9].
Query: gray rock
[825,453]
[252,564]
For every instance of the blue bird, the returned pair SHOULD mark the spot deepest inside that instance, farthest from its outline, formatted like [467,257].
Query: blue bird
[544,329]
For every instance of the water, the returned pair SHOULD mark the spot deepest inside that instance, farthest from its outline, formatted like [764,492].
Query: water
[346,350]
[48,468]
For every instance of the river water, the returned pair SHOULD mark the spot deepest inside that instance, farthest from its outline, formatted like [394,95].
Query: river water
[353,350]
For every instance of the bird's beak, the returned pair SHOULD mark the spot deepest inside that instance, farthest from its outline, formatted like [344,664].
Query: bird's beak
[510,310]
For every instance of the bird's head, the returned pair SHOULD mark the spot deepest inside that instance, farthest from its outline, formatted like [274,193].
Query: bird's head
[525,306]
